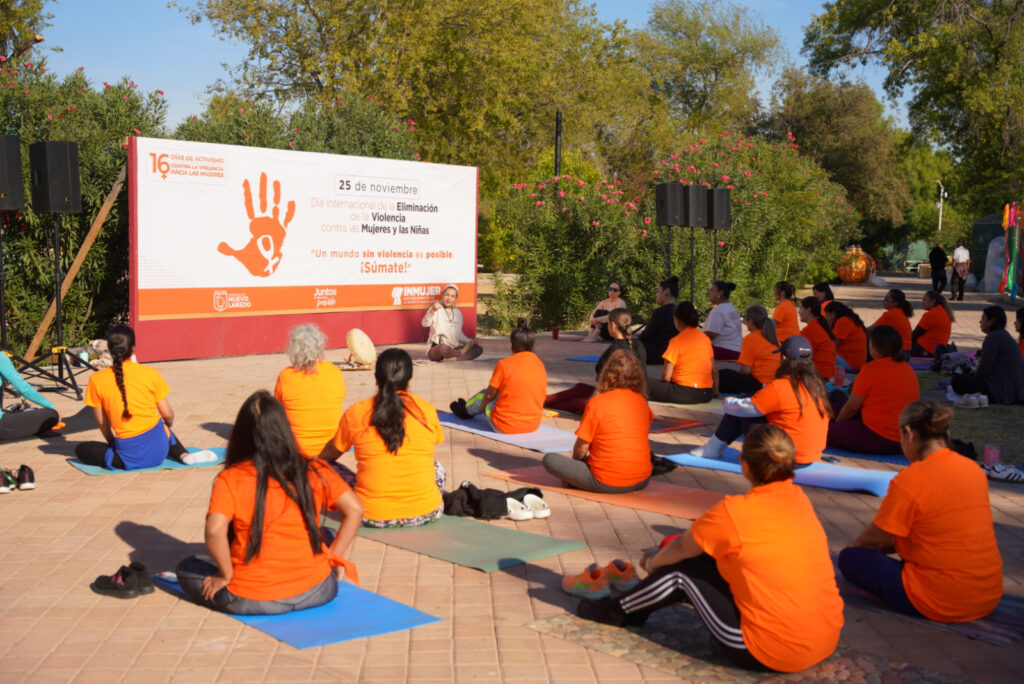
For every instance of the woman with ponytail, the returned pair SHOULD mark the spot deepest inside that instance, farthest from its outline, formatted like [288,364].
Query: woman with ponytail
[935,325]
[938,519]
[394,434]
[267,553]
[850,337]
[690,375]
[897,316]
[759,357]
[819,333]
[785,317]
[130,403]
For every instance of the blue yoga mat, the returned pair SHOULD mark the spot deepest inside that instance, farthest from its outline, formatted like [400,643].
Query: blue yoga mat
[544,439]
[353,614]
[824,475]
[586,359]
[896,459]
[168,464]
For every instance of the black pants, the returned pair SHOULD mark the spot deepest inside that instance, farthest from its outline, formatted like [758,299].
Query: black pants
[731,427]
[95,453]
[733,382]
[27,423]
[659,390]
[956,285]
[969,383]
[938,279]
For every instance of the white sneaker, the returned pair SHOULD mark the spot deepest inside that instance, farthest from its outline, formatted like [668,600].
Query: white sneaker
[196,457]
[538,505]
[967,401]
[982,400]
[951,395]
[517,510]
[713,448]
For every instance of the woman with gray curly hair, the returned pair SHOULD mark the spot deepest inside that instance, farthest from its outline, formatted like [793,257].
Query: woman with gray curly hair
[311,390]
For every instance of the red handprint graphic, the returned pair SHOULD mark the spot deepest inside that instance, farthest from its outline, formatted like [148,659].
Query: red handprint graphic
[263,253]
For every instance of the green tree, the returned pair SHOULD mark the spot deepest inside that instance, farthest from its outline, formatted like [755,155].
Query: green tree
[20,24]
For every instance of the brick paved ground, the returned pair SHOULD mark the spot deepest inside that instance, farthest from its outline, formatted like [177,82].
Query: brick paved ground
[55,540]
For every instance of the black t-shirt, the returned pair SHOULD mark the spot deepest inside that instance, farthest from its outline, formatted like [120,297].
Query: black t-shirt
[937,258]
[638,351]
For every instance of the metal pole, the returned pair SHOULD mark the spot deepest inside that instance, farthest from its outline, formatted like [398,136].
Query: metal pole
[942,195]
[3,286]
[692,260]
[714,252]
[56,282]
[558,143]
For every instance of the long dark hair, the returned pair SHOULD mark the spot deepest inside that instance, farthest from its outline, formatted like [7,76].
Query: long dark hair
[621,319]
[841,310]
[805,373]
[393,372]
[825,289]
[888,342]
[120,343]
[686,312]
[785,289]
[939,300]
[900,298]
[261,434]
[813,304]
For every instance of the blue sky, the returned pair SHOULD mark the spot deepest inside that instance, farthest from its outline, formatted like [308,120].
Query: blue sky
[159,48]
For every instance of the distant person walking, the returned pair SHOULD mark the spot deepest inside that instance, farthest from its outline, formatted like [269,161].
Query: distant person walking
[961,264]
[938,258]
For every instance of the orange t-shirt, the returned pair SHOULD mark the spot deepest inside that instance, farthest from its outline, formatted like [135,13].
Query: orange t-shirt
[938,512]
[759,355]
[787,323]
[770,547]
[809,430]
[823,348]
[616,424]
[285,565]
[937,326]
[887,387]
[895,318]
[1021,345]
[312,402]
[143,387]
[851,342]
[522,384]
[692,356]
[392,486]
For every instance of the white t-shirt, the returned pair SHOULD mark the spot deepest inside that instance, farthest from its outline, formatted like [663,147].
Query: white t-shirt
[725,320]
[961,255]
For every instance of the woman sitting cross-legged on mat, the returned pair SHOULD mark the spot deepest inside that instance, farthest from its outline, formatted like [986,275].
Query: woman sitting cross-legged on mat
[446,341]
[30,421]
[784,315]
[868,422]
[394,434]
[759,355]
[575,398]
[935,325]
[795,400]
[897,316]
[937,517]
[130,403]
[723,325]
[612,452]
[999,376]
[599,317]
[819,333]
[756,567]
[267,554]
[690,375]
[513,401]
[849,334]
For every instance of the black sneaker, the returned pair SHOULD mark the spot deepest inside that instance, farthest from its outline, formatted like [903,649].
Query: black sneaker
[458,407]
[609,612]
[26,478]
[128,582]
[8,481]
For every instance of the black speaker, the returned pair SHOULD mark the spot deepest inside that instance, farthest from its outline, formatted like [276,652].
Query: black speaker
[695,206]
[12,188]
[54,171]
[668,204]
[718,209]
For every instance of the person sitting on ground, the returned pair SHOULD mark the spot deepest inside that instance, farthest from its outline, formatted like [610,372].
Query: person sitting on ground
[723,325]
[759,358]
[868,421]
[819,333]
[897,316]
[612,453]
[935,325]
[599,317]
[575,398]
[796,401]
[1018,325]
[1000,373]
[823,293]
[267,552]
[785,317]
[513,401]
[756,566]
[129,401]
[937,517]
[446,341]
[311,390]
[690,375]
[29,421]
[850,337]
[660,327]
[394,434]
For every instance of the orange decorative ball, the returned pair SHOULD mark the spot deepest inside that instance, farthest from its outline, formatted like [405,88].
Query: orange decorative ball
[855,266]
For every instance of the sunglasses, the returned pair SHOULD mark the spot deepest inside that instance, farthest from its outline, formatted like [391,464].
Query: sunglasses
[614,289]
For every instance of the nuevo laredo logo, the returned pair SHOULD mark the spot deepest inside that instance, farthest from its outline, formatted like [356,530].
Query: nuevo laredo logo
[262,255]
[224,300]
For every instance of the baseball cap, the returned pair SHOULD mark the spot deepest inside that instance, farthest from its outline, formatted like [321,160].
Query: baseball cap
[797,348]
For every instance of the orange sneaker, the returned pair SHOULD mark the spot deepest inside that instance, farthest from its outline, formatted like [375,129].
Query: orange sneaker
[590,584]
[621,574]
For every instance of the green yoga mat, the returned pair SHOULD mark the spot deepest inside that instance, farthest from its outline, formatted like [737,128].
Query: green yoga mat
[468,542]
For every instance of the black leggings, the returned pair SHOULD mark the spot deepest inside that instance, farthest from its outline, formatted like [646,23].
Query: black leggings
[659,390]
[27,423]
[733,382]
[95,453]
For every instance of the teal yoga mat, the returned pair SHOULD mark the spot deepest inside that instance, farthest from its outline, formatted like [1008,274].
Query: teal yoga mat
[824,475]
[544,439]
[353,614]
[168,464]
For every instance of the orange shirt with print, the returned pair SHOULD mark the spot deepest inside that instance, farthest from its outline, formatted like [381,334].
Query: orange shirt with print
[392,486]
[770,547]
[143,386]
[760,356]
[806,427]
[938,512]
[522,384]
[312,401]
[896,319]
[822,347]
[787,323]
[285,565]
[616,424]
[937,328]
[851,342]
[887,387]
[692,357]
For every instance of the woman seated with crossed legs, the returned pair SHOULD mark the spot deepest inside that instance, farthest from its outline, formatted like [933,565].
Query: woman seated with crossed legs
[690,375]
[759,355]
[935,326]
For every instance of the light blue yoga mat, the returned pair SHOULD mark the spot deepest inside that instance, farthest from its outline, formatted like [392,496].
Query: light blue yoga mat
[168,464]
[896,459]
[824,475]
[586,359]
[353,614]
[544,439]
